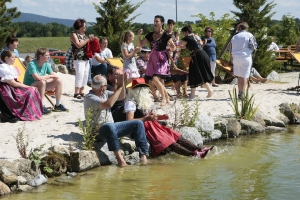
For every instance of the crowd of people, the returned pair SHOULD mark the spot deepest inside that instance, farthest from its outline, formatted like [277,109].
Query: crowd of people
[125,111]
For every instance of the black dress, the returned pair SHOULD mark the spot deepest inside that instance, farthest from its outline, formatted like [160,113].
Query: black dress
[199,68]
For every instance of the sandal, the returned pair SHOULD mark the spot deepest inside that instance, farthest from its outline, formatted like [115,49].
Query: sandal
[82,95]
[77,96]
[157,99]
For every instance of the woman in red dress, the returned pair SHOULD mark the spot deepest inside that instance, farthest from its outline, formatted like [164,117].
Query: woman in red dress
[159,136]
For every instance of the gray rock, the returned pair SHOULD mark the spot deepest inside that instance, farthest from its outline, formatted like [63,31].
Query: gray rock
[7,177]
[4,189]
[286,110]
[250,127]
[38,180]
[258,117]
[72,174]
[204,123]
[275,128]
[128,145]
[21,180]
[214,135]
[105,156]
[273,76]
[221,124]
[83,160]
[233,128]
[62,69]
[270,121]
[191,134]
[283,118]
[132,159]
[21,167]
[25,188]
[63,150]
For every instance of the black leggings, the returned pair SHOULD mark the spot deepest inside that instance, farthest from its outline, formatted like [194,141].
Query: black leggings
[6,113]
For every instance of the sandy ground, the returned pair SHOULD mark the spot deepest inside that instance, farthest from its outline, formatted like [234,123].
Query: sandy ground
[62,128]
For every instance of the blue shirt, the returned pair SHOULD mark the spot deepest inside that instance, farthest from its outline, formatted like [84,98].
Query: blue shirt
[210,49]
[33,68]
[15,51]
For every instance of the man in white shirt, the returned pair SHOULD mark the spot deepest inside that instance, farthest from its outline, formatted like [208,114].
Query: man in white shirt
[273,46]
[242,44]
[98,62]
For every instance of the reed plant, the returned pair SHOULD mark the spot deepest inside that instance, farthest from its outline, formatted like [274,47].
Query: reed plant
[188,113]
[247,110]
[87,130]
[22,141]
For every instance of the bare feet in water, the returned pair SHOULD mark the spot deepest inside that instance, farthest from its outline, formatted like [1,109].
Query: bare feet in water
[143,159]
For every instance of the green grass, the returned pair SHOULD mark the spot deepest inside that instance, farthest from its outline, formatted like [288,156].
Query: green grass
[27,45]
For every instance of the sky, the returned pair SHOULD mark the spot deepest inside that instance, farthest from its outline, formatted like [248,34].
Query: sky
[73,9]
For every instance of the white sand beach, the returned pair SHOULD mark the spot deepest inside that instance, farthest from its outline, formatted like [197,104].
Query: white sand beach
[61,128]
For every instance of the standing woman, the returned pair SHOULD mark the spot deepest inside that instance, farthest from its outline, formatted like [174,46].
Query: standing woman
[158,67]
[80,59]
[199,70]
[209,46]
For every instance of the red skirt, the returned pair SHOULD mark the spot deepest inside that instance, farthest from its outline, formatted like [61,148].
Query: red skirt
[159,136]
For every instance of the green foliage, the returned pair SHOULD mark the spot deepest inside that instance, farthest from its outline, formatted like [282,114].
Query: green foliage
[52,164]
[87,129]
[6,26]
[56,61]
[247,110]
[295,108]
[22,142]
[222,29]
[287,34]
[35,155]
[189,113]
[34,29]
[113,21]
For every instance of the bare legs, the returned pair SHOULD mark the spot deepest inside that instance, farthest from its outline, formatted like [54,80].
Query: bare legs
[184,147]
[242,82]
[258,79]
[160,85]
[207,87]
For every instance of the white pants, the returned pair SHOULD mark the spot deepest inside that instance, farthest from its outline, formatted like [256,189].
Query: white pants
[213,67]
[242,66]
[82,68]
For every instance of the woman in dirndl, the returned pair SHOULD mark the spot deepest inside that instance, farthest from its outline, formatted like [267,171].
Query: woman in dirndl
[17,101]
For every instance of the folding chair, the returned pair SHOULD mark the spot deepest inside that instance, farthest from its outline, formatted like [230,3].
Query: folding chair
[20,67]
[116,62]
[226,67]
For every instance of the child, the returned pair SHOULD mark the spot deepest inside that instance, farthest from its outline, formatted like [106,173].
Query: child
[128,53]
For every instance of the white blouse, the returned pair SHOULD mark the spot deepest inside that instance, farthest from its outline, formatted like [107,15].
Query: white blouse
[8,72]
[129,107]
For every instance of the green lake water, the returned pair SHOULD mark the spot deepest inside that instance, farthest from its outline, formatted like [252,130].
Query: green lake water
[264,166]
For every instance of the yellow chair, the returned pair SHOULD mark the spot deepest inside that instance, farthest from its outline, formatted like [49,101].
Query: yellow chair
[116,62]
[227,68]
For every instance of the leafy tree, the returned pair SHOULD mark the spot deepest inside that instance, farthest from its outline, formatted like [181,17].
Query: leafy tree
[6,26]
[287,34]
[114,21]
[258,14]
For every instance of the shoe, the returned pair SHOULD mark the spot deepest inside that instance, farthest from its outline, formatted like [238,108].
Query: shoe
[46,111]
[10,120]
[200,154]
[215,85]
[157,99]
[89,84]
[60,108]
[77,96]
[82,95]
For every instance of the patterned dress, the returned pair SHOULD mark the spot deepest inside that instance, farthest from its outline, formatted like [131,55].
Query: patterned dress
[22,103]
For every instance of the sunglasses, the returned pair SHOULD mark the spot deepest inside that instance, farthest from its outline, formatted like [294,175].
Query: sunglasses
[208,31]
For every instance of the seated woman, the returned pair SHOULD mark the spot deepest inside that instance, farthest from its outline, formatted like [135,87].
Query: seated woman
[17,101]
[159,136]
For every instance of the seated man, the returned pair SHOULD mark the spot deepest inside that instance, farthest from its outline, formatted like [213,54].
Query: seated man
[101,100]
[39,74]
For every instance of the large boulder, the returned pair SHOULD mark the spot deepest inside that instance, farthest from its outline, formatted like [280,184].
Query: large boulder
[233,128]
[38,180]
[192,135]
[213,135]
[21,167]
[287,111]
[270,121]
[83,160]
[105,156]
[7,177]
[4,189]
[250,127]
[204,123]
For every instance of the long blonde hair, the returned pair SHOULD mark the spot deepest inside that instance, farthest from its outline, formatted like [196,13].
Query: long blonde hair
[142,97]
[124,37]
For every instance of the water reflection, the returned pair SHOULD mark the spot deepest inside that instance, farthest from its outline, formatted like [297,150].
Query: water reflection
[264,166]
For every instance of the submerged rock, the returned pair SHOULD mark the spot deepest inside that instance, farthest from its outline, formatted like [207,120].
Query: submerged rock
[38,180]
